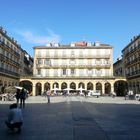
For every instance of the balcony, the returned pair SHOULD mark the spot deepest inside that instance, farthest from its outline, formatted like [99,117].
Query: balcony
[133,61]
[133,74]
[12,51]
[81,65]
[58,56]
[81,76]
[5,58]
[4,71]
[43,66]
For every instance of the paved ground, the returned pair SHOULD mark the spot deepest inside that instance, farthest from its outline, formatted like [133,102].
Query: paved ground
[76,118]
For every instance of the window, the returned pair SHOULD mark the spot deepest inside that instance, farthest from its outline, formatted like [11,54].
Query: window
[98,72]
[72,71]
[64,54]
[64,71]
[89,71]
[81,53]
[39,54]
[47,62]
[72,53]
[38,72]
[38,61]
[72,61]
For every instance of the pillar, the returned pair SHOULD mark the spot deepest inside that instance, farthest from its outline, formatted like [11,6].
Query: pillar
[34,89]
[43,89]
[103,88]
[85,86]
[112,87]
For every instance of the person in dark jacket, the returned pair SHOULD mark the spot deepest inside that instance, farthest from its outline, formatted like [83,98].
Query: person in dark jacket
[17,96]
[23,95]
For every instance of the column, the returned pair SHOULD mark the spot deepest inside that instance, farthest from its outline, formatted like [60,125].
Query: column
[85,86]
[112,87]
[93,86]
[76,85]
[51,85]
[103,88]
[42,87]
[33,89]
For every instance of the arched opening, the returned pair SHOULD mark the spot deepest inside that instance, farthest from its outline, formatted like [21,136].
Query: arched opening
[38,89]
[63,85]
[81,85]
[73,86]
[99,87]
[46,86]
[55,85]
[107,88]
[120,88]
[27,85]
[89,86]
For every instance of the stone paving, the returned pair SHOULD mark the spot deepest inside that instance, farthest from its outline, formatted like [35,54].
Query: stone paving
[76,118]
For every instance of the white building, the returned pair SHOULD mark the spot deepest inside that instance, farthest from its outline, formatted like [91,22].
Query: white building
[89,65]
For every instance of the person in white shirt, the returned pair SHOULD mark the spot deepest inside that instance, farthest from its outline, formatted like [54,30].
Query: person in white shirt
[48,95]
[15,118]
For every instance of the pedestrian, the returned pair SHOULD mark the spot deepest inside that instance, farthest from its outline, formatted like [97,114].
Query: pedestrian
[15,118]
[48,95]
[45,93]
[17,96]
[23,95]
[85,93]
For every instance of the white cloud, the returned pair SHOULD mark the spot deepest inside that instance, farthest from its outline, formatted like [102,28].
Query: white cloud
[29,37]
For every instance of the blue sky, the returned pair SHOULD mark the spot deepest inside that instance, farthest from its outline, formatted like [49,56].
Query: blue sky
[36,22]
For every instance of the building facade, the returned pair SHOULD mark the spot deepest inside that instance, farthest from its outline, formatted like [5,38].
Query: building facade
[26,62]
[131,61]
[12,61]
[80,64]
[118,68]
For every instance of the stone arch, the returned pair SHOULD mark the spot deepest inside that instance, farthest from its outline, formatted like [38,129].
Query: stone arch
[99,87]
[38,88]
[46,86]
[81,84]
[63,85]
[107,88]
[27,85]
[121,87]
[55,85]
[89,86]
[73,85]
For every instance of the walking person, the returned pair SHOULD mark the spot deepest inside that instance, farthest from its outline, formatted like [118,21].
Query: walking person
[15,118]
[23,95]
[17,96]
[48,95]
